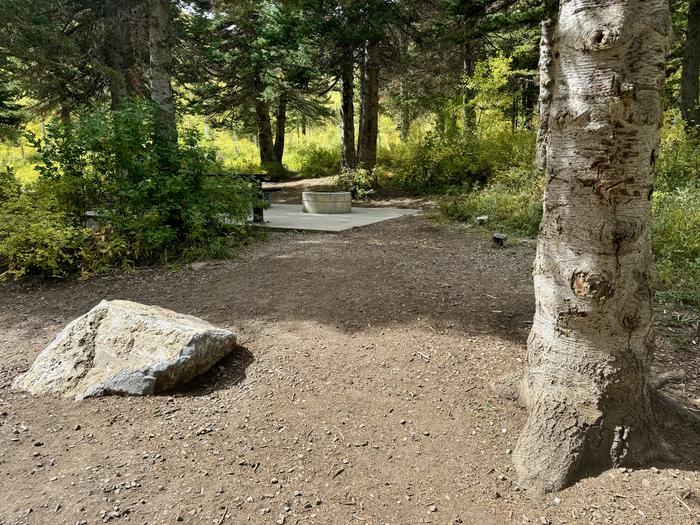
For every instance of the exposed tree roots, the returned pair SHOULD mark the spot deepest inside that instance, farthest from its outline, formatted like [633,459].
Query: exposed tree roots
[561,444]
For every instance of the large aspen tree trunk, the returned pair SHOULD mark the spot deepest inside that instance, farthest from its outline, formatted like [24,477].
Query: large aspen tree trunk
[161,71]
[690,76]
[590,349]
[369,114]
[347,111]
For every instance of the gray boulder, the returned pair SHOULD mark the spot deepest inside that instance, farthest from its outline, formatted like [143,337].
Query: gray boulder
[126,348]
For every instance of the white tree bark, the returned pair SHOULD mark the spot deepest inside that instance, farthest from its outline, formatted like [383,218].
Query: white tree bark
[590,349]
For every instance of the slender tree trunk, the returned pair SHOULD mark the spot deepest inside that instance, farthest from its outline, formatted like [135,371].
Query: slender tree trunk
[281,127]
[468,111]
[405,123]
[347,111]
[161,72]
[405,128]
[546,85]
[362,122]
[690,76]
[590,350]
[369,126]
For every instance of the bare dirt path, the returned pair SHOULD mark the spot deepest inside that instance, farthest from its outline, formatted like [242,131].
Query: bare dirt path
[360,397]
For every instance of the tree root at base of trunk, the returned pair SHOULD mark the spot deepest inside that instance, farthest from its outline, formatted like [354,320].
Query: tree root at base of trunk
[561,444]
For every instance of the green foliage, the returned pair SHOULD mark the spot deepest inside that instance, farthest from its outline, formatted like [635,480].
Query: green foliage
[512,200]
[316,161]
[9,185]
[361,183]
[104,199]
[36,238]
[438,162]
[678,163]
[488,84]
[677,242]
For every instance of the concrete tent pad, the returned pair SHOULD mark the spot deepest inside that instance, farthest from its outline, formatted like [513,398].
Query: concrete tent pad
[291,217]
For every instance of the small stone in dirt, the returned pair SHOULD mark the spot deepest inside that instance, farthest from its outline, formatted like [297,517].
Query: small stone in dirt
[274,481]
[281,519]
[557,500]
[500,239]
[433,508]
[179,518]
[297,493]
[483,219]
[77,427]
[38,444]
[264,511]
[544,521]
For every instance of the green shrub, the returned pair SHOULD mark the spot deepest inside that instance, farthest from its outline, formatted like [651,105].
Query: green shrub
[9,185]
[106,163]
[438,162]
[677,242]
[317,161]
[36,238]
[359,182]
[107,197]
[678,163]
[512,200]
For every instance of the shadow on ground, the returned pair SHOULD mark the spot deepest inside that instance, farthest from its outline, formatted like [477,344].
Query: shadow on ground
[226,374]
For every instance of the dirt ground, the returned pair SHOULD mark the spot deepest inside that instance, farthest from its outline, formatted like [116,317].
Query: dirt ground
[359,396]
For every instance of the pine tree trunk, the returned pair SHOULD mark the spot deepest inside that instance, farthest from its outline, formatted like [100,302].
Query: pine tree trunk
[266,145]
[546,85]
[690,76]
[369,125]
[161,72]
[117,81]
[468,112]
[347,111]
[265,139]
[281,127]
[118,59]
[405,128]
[590,349]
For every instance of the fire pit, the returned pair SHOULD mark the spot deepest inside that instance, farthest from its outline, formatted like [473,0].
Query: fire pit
[326,202]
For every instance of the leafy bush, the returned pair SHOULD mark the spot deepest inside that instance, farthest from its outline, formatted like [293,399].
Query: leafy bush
[36,238]
[438,162]
[678,163]
[142,204]
[359,182]
[677,242]
[9,185]
[316,161]
[512,200]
